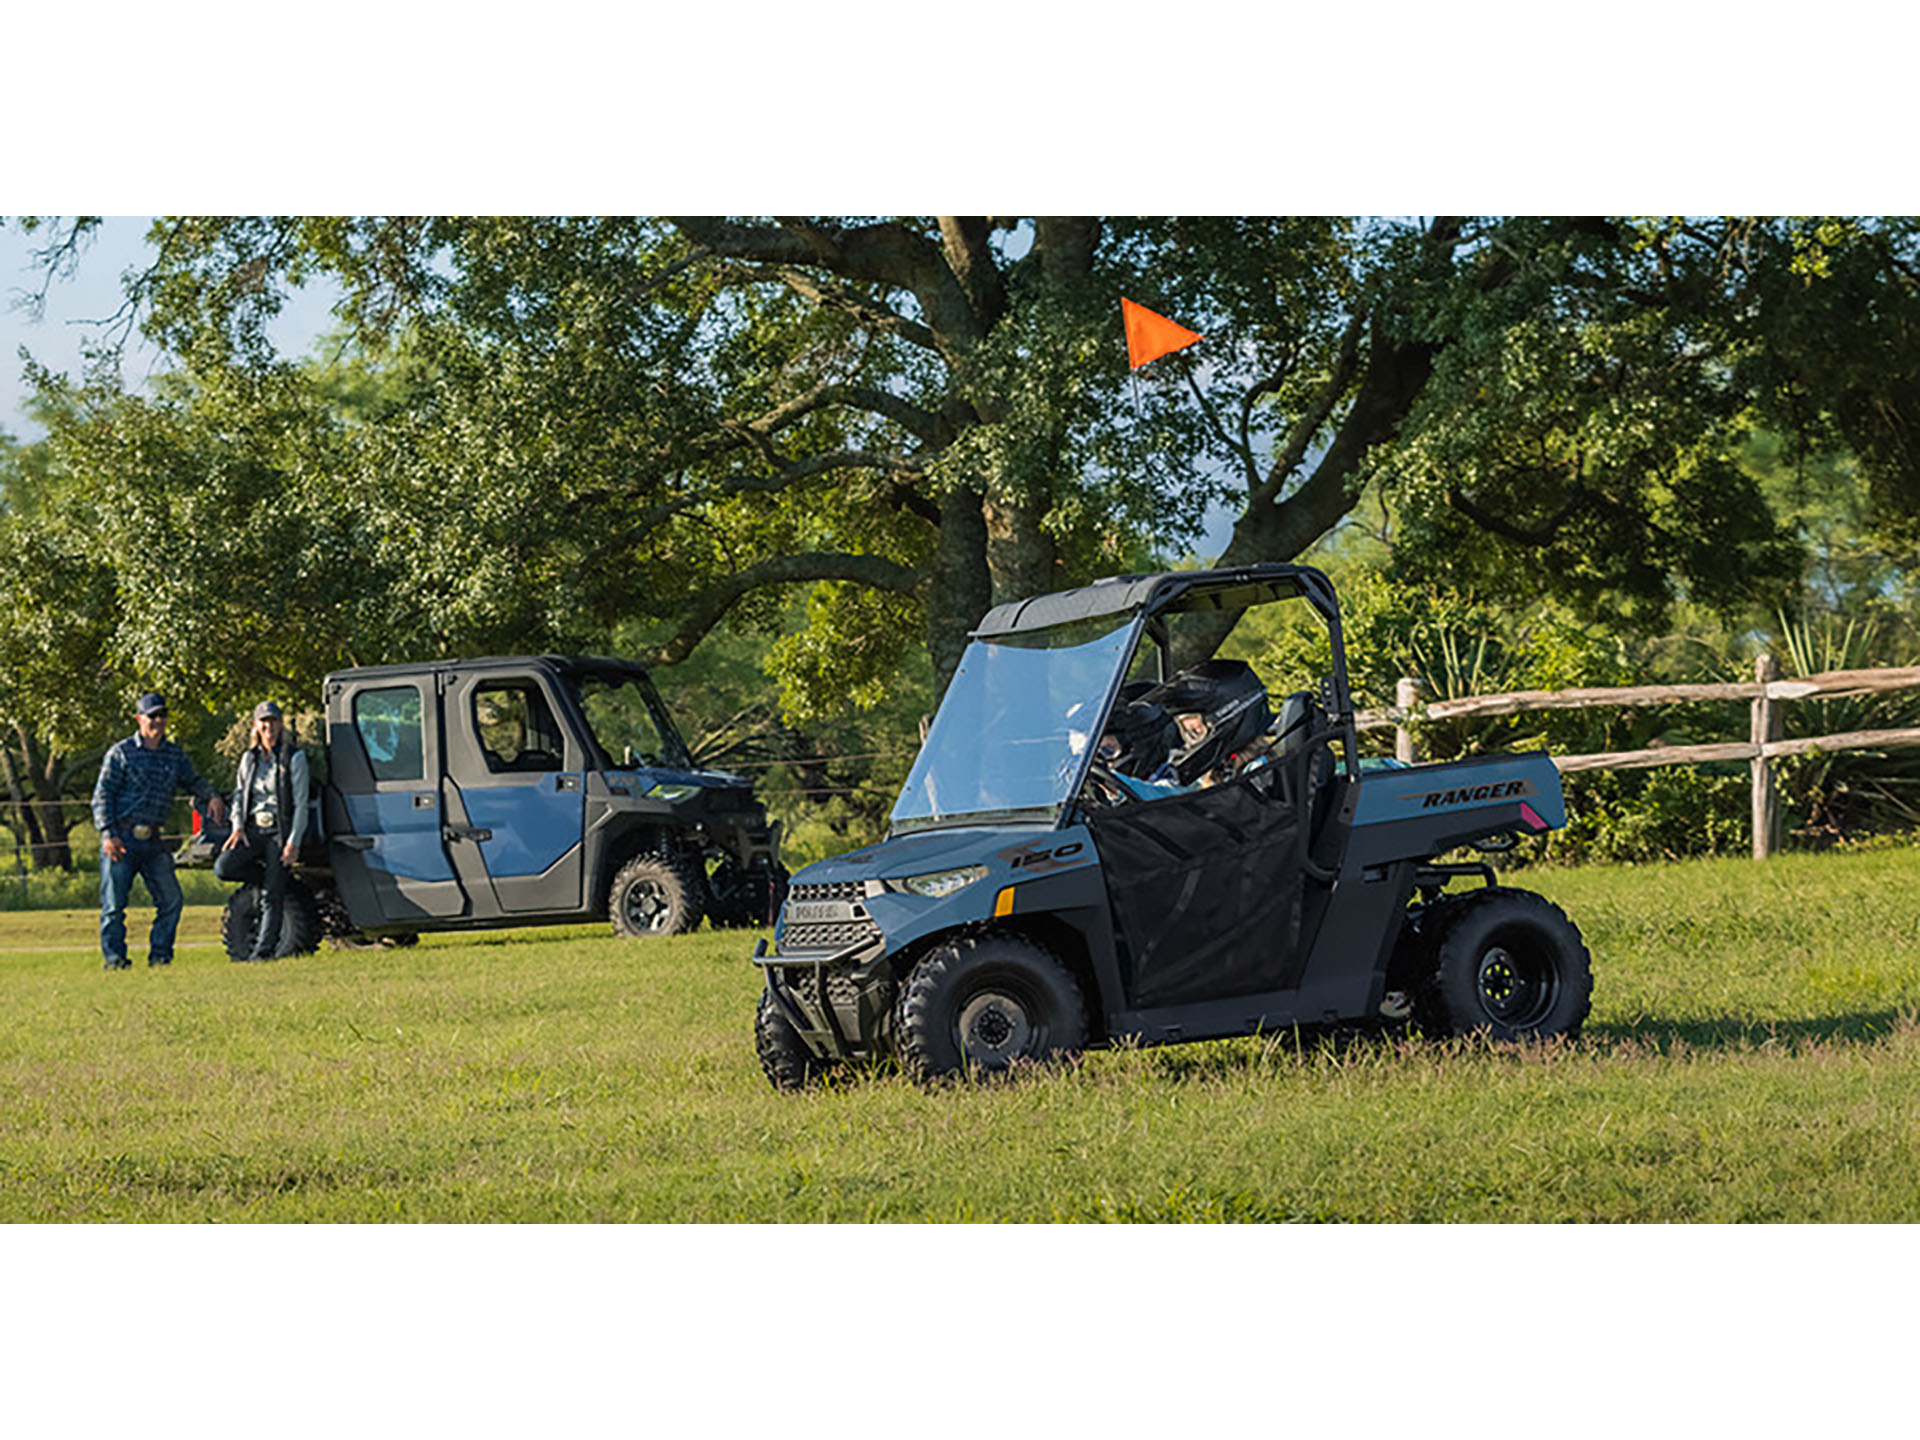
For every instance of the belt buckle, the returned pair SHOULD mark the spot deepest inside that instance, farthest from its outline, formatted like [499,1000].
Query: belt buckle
[263,819]
[143,832]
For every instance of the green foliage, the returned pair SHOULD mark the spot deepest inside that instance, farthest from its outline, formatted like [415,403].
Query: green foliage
[1602,450]
[1661,814]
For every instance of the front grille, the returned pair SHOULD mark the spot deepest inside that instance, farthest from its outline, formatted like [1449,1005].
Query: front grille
[827,937]
[838,890]
[830,934]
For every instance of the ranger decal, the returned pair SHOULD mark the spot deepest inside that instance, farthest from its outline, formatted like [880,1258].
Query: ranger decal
[1473,794]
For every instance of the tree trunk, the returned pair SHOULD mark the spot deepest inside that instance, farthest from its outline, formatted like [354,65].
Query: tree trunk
[47,775]
[959,589]
[25,822]
[1020,555]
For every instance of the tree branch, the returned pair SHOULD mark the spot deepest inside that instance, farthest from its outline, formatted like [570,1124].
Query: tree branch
[867,311]
[970,257]
[706,609]
[1538,537]
[793,473]
[1300,439]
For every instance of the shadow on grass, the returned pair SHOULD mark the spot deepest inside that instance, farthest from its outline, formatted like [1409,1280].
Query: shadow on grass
[1301,1051]
[1738,1032]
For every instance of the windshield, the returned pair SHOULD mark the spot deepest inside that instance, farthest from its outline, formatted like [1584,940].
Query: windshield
[626,721]
[1012,731]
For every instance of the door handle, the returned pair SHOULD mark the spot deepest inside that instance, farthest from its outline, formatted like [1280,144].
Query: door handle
[354,842]
[465,832]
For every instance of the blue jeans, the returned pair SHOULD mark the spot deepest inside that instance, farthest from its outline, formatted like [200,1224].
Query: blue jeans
[257,862]
[152,861]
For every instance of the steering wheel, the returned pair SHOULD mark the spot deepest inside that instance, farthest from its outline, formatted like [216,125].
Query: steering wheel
[1104,788]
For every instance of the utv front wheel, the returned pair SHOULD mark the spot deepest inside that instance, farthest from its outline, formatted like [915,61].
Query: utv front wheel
[987,1001]
[788,1063]
[1510,964]
[299,921]
[656,895]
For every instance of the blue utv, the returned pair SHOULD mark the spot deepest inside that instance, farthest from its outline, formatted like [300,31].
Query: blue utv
[1100,844]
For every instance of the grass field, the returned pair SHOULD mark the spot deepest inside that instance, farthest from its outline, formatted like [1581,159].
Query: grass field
[1753,1055]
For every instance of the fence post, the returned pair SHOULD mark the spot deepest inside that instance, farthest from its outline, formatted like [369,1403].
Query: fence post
[1766,726]
[1406,695]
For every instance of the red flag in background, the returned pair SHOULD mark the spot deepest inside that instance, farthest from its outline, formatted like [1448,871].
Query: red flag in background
[1149,336]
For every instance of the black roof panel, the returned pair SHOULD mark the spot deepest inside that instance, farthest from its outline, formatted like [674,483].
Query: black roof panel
[1225,589]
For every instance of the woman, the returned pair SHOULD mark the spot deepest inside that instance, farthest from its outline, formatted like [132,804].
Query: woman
[269,817]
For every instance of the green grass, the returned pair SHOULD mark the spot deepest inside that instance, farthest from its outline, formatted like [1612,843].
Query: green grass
[1753,1054]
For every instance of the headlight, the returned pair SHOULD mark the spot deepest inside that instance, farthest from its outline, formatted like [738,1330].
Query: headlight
[672,794]
[942,883]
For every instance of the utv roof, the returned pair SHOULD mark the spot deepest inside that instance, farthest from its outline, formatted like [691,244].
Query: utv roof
[565,663]
[1229,589]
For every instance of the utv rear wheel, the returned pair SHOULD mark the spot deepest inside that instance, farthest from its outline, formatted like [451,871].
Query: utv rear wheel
[789,1064]
[299,921]
[987,1001]
[1511,965]
[656,895]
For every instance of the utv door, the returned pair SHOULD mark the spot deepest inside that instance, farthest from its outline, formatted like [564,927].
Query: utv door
[517,776]
[383,818]
[1208,888]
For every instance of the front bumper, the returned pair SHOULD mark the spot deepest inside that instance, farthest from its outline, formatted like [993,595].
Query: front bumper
[839,1002]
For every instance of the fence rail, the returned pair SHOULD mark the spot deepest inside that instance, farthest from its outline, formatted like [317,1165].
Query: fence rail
[1764,742]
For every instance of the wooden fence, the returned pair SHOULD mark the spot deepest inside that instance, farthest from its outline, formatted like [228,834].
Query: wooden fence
[1766,692]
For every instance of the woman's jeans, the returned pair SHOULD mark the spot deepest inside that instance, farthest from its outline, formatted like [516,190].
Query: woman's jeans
[255,860]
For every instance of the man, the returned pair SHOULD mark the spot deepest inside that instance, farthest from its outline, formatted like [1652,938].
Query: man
[131,798]
[269,817]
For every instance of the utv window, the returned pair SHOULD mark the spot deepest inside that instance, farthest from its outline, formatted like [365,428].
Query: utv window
[516,729]
[627,725]
[388,723]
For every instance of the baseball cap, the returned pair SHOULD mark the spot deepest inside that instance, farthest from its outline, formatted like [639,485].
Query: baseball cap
[266,710]
[150,704]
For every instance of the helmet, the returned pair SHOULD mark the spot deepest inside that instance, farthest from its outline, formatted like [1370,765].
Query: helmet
[1220,709]
[1138,738]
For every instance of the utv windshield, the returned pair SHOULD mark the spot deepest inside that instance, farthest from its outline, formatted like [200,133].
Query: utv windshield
[628,722]
[1012,732]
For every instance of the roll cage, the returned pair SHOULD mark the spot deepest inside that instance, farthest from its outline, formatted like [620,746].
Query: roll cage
[1152,597]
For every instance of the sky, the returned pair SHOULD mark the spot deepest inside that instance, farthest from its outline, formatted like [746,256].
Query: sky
[77,305]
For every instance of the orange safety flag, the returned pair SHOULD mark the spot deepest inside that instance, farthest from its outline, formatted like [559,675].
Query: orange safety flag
[1149,336]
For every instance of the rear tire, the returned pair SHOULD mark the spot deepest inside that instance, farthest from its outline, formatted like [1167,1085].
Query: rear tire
[987,1001]
[299,922]
[656,895]
[788,1063]
[1508,964]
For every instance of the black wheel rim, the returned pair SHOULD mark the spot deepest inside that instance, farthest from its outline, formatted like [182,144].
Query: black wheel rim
[1516,982]
[997,1026]
[647,905]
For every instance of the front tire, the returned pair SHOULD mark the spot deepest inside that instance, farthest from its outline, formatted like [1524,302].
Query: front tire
[299,922]
[656,895]
[987,1001]
[1508,964]
[784,1056]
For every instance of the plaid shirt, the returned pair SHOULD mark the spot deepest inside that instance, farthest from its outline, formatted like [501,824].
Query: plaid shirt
[136,785]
